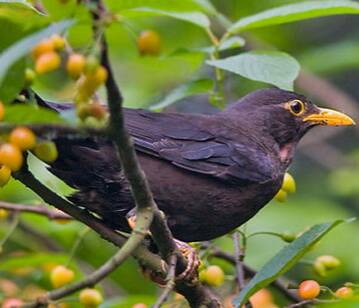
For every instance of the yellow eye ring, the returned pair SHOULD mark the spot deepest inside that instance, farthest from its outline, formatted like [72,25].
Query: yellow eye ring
[296,107]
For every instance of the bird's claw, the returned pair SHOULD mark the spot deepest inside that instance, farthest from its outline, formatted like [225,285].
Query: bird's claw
[193,262]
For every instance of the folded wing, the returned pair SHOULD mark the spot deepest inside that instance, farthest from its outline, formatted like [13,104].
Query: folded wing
[185,141]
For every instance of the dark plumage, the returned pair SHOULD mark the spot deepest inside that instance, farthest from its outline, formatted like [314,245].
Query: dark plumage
[208,173]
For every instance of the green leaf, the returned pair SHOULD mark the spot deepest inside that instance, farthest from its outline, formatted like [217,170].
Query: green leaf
[180,6]
[193,88]
[30,114]
[20,5]
[273,67]
[284,260]
[295,12]
[22,47]
[193,17]
[332,58]
[13,82]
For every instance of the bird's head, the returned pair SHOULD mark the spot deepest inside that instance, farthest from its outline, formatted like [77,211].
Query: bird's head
[285,116]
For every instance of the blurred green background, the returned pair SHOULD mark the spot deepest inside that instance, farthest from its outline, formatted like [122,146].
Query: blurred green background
[327,172]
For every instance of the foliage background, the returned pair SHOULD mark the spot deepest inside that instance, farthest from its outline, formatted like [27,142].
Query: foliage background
[327,180]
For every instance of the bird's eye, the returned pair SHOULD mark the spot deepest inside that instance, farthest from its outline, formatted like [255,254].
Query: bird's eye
[296,107]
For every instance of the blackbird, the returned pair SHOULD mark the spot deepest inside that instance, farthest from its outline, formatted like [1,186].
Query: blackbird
[208,173]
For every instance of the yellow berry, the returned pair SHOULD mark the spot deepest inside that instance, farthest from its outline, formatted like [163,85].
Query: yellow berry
[92,64]
[320,268]
[5,175]
[11,156]
[281,196]
[98,77]
[214,275]
[344,292]
[288,184]
[30,76]
[61,275]
[46,151]
[75,65]
[43,47]
[94,109]
[47,62]
[90,298]
[23,138]
[309,289]
[2,110]
[149,43]
[330,262]
[3,214]
[58,41]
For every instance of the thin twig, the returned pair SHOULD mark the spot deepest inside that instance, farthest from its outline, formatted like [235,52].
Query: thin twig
[170,282]
[40,210]
[239,257]
[77,243]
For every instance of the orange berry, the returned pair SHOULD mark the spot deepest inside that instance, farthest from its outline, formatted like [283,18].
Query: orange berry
[149,43]
[61,275]
[309,289]
[261,298]
[2,110]
[344,292]
[12,303]
[11,156]
[44,46]
[75,65]
[47,62]
[23,137]
[5,175]
[90,298]
[46,151]
[58,41]
[140,305]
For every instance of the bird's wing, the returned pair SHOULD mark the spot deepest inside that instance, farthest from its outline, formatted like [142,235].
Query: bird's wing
[181,140]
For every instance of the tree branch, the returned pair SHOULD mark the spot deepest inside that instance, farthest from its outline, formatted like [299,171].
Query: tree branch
[40,210]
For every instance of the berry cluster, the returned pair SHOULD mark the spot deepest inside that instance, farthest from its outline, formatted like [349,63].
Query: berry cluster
[87,72]
[19,140]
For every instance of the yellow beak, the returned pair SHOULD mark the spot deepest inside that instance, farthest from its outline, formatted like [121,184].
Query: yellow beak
[329,117]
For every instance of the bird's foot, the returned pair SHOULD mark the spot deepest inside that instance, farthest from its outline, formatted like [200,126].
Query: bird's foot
[131,220]
[193,262]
